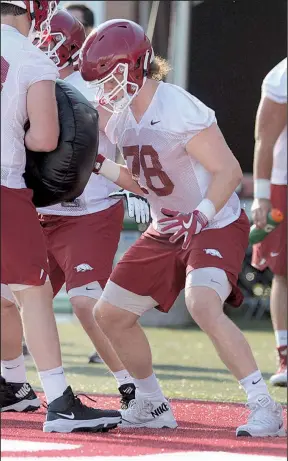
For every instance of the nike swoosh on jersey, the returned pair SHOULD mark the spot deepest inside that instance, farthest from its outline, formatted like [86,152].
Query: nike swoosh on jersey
[66,416]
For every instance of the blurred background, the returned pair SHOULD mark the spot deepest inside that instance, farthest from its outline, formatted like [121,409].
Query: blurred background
[220,52]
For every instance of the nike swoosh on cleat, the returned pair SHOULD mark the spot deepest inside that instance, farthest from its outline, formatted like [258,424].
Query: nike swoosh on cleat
[67,416]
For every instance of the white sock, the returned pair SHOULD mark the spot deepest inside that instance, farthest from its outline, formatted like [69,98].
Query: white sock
[254,385]
[53,383]
[149,385]
[13,371]
[122,377]
[281,338]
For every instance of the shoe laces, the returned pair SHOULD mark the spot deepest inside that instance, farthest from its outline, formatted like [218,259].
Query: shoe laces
[139,407]
[262,414]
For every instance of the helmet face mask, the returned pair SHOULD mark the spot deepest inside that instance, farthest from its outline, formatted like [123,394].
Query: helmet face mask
[120,92]
[41,14]
[64,42]
[115,59]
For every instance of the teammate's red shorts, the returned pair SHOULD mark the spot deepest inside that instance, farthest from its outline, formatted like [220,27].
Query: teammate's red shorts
[23,249]
[272,251]
[81,249]
[155,267]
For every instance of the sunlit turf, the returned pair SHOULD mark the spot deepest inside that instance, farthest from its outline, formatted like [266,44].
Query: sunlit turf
[184,360]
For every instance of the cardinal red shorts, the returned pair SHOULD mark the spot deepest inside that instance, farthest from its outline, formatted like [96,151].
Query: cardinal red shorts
[81,249]
[157,268]
[23,249]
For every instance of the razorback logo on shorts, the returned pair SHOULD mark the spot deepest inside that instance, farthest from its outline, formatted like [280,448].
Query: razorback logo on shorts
[83,268]
[212,252]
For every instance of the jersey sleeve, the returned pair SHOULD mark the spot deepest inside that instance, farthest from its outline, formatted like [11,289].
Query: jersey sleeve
[38,67]
[274,85]
[191,116]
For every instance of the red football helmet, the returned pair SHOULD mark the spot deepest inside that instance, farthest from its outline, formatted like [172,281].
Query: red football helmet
[117,52]
[68,35]
[40,13]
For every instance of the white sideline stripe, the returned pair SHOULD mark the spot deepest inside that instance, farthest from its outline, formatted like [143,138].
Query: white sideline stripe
[25,445]
[182,456]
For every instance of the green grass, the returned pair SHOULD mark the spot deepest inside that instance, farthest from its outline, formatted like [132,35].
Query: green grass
[184,361]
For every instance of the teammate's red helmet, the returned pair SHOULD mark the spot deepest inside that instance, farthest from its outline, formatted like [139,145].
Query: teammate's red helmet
[68,34]
[40,13]
[117,51]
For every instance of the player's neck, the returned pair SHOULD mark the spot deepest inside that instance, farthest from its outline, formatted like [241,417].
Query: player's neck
[141,103]
[18,22]
[66,72]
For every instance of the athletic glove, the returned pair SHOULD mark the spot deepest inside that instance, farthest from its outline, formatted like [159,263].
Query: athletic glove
[137,206]
[185,225]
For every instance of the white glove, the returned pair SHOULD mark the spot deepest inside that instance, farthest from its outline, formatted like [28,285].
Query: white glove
[137,206]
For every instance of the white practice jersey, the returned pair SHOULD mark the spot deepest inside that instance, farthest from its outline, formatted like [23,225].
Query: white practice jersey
[154,150]
[22,65]
[274,87]
[95,196]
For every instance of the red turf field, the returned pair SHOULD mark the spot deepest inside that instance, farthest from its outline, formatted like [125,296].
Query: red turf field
[206,432]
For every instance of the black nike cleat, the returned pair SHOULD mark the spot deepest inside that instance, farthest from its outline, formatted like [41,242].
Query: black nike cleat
[17,397]
[95,358]
[69,414]
[127,392]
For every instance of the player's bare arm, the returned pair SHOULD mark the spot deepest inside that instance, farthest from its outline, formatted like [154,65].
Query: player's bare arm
[211,150]
[271,119]
[43,133]
[118,174]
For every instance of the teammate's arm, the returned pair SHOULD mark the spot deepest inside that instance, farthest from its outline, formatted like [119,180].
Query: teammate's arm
[210,149]
[43,133]
[118,174]
[271,119]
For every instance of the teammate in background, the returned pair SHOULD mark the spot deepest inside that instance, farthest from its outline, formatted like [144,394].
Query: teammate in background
[83,13]
[175,150]
[85,264]
[28,92]
[270,191]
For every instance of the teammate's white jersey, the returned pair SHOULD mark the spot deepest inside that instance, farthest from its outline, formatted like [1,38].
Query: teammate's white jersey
[22,65]
[274,87]
[95,196]
[154,150]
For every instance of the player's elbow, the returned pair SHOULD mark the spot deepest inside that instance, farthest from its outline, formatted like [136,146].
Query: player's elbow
[42,141]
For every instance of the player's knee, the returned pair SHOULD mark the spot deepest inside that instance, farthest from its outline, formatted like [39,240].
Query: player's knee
[111,319]
[205,292]
[83,307]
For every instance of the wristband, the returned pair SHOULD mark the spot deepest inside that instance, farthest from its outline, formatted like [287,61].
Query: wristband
[207,208]
[262,188]
[110,170]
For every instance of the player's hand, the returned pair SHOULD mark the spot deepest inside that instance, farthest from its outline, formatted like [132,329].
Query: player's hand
[137,206]
[260,208]
[182,225]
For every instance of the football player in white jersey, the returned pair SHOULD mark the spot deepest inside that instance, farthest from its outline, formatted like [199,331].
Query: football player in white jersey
[270,191]
[177,154]
[28,92]
[85,264]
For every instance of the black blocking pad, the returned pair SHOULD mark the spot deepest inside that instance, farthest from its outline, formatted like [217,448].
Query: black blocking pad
[61,175]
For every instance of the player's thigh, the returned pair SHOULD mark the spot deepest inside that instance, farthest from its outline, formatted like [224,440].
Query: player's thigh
[23,249]
[220,253]
[148,275]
